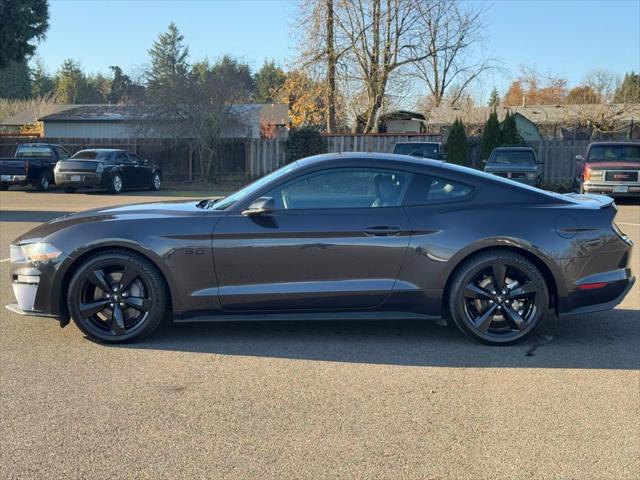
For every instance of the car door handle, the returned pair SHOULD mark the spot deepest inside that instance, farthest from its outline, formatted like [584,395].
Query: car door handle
[382,231]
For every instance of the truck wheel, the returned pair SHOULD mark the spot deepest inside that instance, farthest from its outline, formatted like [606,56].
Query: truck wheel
[43,182]
[69,189]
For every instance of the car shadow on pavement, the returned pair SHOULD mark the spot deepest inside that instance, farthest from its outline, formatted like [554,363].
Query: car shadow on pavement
[600,341]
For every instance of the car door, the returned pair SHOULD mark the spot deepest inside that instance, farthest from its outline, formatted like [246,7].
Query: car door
[144,170]
[336,240]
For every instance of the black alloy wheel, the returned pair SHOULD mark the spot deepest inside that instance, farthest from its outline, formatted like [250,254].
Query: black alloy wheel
[498,298]
[115,186]
[44,182]
[117,296]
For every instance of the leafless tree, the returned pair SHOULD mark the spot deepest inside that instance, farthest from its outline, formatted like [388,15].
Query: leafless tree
[448,59]
[603,82]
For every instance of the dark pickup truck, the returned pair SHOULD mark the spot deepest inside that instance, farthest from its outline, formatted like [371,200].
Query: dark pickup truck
[517,163]
[33,163]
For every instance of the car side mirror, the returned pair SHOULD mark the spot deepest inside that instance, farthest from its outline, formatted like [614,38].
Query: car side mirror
[261,206]
[579,158]
[145,161]
[484,161]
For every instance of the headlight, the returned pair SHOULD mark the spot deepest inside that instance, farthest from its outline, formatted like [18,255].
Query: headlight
[532,175]
[33,252]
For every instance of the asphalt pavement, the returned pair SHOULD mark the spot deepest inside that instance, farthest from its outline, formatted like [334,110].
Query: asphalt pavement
[314,400]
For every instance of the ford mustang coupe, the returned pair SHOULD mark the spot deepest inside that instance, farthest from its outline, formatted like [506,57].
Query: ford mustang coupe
[340,236]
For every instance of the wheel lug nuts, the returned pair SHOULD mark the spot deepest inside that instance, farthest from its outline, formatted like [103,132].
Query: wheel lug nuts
[491,301]
[122,304]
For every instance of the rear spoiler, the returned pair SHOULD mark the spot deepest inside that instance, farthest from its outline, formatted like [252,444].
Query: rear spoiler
[592,200]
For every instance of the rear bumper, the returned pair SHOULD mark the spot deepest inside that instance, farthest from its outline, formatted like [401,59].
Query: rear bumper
[618,284]
[14,179]
[70,179]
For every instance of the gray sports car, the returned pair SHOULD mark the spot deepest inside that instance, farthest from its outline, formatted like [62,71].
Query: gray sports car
[342,236]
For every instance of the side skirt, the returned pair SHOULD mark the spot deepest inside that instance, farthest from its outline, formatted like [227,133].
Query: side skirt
[304,316]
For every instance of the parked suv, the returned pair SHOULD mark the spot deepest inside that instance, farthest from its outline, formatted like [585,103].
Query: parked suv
[433,150]
[612,168]
[112,169]
[517,163]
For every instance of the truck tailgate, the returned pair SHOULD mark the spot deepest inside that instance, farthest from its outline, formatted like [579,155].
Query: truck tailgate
[13,166]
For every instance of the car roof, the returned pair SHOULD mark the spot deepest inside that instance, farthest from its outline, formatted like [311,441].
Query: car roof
[514,148]
[102,150]
[604,144]
[418,143]
[369,156]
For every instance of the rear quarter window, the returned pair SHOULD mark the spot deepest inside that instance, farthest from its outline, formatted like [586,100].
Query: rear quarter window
[425,189]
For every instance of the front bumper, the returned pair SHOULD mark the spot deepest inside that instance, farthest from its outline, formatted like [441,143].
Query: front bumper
[613,189]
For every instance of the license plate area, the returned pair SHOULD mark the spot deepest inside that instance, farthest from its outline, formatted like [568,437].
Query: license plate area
[621,189]
[76,178]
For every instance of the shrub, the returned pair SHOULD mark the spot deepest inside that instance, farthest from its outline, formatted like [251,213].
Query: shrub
[510,135]
[491,135]
[457,147]
[304,142]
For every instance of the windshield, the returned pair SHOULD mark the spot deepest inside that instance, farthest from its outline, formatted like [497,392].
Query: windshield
[251,188]
[522,157]
[33,151]
[91,155]
[425,150]
[614,153]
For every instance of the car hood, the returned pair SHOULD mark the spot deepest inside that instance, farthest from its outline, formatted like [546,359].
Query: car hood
[139,211]
[510,168]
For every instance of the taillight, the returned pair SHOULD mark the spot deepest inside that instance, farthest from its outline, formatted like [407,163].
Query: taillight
[587,174]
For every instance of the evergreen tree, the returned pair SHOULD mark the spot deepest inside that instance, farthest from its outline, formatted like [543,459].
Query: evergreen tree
[268,81]
[42,84]
[629,89]
[233,76]
[510,135]
[491,136]
[168,77]
[98,89]
[120,84]
[15,81]
[71,84]
[494,99]
[21,21]
[457,147]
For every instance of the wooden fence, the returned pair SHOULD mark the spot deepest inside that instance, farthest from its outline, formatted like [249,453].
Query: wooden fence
[241,158]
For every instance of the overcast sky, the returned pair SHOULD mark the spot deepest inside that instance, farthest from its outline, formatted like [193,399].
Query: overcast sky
[567,38]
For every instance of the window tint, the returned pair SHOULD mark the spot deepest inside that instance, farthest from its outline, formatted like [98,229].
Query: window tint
[33,151]
[425,189]
[122,157]
[424,150]
[342,188]
[614,153]
[513,157]
[135,158]
[91,155]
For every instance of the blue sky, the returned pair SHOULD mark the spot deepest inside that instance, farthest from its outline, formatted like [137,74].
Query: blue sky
[567,38]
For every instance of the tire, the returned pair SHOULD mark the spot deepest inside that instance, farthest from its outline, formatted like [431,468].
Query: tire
[115,185]
[119,312]
[44,181]
[495,315]
[69,189]
[156,181]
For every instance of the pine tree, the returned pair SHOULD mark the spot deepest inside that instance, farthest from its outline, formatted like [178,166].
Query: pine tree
[510,135]
[169,72]
[494,99]
[15,81]
[457,147]
[629,89]
[42,84]
[71,84]
[491,136]
[268,81]
[21,22]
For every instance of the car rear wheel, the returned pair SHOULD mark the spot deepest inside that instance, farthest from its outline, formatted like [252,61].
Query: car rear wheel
[116,183]
[156,181]
[43,182]
[498,298]
[117,296]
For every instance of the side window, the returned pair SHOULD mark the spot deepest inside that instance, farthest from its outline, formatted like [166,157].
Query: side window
[342,188]
[122,157]
[135,158]
[425,189]
[62,153]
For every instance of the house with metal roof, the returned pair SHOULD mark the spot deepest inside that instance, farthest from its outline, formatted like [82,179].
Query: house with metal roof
[154,121]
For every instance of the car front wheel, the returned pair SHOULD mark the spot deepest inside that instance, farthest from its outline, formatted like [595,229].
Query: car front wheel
[498,298]
[117,296]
